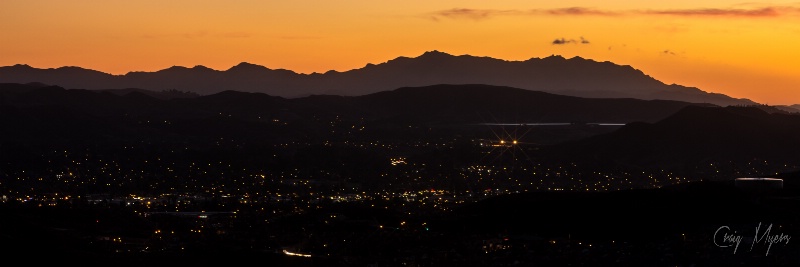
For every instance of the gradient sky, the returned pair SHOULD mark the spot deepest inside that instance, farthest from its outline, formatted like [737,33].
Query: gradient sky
[745,50]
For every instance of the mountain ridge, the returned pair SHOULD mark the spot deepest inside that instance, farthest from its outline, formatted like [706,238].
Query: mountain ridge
[555,74]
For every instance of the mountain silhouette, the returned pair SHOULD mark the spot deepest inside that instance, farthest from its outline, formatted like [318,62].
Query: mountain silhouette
[554,74]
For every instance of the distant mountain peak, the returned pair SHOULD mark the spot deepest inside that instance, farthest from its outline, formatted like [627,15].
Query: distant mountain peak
[201,67]
[435,53]
[176,68]
[70,68]
[550,58]
[246,66]
[185,69]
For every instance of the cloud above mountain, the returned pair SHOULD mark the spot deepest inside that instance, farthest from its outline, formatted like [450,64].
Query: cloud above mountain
[562,40]
[484,14]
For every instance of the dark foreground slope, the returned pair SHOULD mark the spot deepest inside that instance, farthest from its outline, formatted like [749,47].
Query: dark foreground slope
[682,225]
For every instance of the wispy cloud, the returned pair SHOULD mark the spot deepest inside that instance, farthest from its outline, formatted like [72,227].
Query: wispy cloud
[472,14]
[573,11]
[562,40]
[484,14]
[672,53]
[716,12]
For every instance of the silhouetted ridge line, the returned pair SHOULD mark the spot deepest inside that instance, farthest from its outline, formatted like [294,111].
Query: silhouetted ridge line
[554,74]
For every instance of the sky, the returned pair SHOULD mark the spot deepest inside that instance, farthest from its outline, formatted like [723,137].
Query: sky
[741,49]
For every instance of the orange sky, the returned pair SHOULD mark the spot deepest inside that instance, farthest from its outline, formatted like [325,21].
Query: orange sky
[747,50]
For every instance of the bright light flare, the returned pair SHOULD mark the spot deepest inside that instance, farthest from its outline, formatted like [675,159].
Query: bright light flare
[296,254]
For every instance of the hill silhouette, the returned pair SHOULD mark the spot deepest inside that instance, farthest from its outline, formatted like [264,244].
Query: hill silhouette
[447,104]
[698,134]
[790,108]
[51,114]
[554,74]
[476,103]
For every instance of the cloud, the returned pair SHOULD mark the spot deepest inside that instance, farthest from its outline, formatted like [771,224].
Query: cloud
[485,14]
[472,14]
[573,11]
[668,52]
[562,40]
[716,12]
